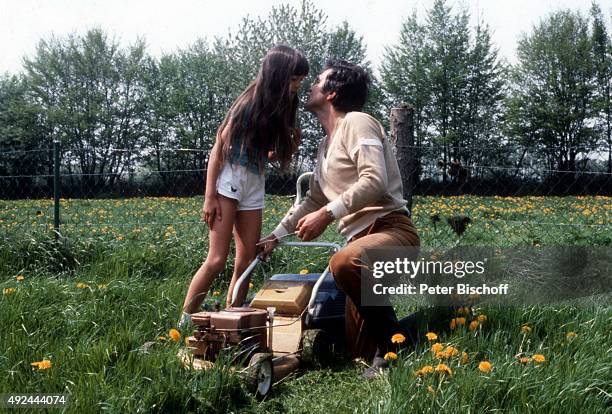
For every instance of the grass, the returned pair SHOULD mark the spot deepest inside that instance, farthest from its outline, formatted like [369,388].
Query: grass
[116,281]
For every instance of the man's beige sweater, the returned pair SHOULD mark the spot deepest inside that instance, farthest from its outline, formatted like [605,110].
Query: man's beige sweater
[358,179]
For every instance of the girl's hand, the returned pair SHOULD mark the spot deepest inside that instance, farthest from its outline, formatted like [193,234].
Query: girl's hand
[210,210]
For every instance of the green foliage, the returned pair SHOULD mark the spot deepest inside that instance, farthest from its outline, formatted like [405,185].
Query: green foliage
[89,94]
[186,97]
[117,110]
[552,98]
[602,60]
[116,281]
[20,130]
[454,82]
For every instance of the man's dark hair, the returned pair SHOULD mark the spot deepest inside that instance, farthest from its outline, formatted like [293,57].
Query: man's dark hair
[350,82]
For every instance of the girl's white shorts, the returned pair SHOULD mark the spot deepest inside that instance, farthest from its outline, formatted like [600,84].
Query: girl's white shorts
[238,183]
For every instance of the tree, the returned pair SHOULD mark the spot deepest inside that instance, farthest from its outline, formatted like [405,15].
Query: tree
[448,42]
[602,60]
[187,95]
[486,89]
[553,90]
[90,93]
[24,143]
[453,81]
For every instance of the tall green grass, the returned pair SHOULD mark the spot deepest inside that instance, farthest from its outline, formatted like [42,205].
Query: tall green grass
[89,302]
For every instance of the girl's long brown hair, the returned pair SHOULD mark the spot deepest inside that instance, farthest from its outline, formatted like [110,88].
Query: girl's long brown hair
[264,115]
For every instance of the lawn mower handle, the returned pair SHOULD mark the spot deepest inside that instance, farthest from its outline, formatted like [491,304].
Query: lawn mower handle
[247,273]
[298,187]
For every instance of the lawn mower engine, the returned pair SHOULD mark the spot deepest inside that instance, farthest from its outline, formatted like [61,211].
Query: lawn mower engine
[241,327]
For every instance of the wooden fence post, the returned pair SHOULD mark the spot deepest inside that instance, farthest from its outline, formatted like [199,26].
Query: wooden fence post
[402,137]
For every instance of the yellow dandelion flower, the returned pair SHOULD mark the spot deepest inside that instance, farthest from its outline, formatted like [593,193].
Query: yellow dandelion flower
[524,360]
[41,365]
[464,358]
[437,347]
[390,356]
[431,336]
[485,366]
[216,293]
[453,324]
[8,291]
[460,321]
[427,369]
[525,329]
[538,358]
[175,335]
[444,369]
[304,271]
[20,278]
[398,338]
[251,285]
[161,338]
[473,325]
[81,285]
[451,351]
[482,318]
[441,355]
[571,335]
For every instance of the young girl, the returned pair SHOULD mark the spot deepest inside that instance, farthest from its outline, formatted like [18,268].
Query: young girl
[259,125]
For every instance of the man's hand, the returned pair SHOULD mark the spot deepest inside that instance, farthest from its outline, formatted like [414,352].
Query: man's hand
[266,245]
[210,210]
[312,225]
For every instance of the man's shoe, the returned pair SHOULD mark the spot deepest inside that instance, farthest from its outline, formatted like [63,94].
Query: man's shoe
[376,369]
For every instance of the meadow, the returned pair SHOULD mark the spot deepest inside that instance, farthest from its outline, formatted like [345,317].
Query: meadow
[81,308]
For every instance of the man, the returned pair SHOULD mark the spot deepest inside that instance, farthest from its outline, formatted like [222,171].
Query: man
[357,182]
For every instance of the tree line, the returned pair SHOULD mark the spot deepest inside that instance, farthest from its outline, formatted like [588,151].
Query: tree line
[118,111]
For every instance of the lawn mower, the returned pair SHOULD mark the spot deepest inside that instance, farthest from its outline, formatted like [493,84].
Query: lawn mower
[293,321]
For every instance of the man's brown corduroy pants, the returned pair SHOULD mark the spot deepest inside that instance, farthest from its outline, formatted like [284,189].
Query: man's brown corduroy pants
[369,327]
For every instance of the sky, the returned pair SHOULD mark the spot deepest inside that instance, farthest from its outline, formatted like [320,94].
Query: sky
[171,25]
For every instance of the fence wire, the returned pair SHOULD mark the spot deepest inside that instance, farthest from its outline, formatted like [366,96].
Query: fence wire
[518,202]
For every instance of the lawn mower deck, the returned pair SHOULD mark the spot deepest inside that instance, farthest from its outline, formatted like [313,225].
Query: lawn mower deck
[289,323]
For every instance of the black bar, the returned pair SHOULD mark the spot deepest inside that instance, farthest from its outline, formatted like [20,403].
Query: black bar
[56,188]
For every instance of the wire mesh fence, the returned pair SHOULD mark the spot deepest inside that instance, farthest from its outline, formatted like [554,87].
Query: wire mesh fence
[503,195]
[521,207]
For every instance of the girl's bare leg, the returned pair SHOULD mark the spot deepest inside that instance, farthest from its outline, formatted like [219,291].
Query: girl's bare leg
[247,232]
[218,247]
